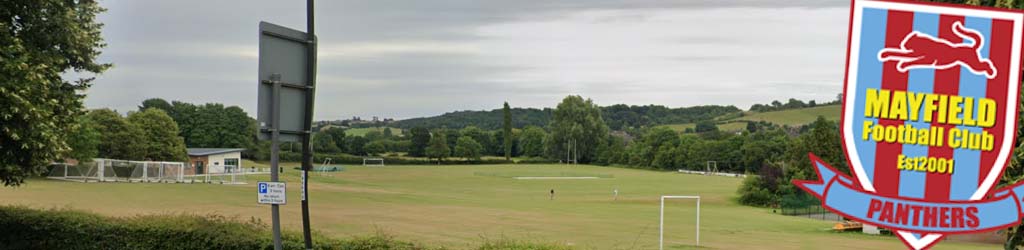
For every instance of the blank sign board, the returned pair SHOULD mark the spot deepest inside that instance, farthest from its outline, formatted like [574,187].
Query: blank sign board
[283,52]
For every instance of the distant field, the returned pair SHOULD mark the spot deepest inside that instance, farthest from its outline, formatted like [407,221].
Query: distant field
[795,117]
[460,206]
[363,131]
[729,127]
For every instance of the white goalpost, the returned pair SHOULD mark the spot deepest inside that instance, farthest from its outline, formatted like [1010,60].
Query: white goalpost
[373,162]
[661,224]
[711,168]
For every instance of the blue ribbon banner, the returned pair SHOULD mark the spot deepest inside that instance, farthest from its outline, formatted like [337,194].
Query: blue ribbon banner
[840,195]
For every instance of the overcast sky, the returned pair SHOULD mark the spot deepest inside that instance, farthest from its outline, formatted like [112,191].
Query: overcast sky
[414,58]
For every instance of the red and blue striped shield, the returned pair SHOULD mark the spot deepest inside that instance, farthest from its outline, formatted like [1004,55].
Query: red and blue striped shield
[929,114]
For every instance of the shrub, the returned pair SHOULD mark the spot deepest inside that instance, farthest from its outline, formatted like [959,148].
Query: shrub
[24,228]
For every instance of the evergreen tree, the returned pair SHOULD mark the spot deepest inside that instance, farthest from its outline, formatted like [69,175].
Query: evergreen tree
[507,136]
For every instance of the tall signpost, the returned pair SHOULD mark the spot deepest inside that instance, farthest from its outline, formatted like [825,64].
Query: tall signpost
[307,147]
[287,84]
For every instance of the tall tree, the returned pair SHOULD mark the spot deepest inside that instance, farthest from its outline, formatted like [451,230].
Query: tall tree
[120,139]
[576,127]
[161,140]
[438,148]
[40,40]
[507,136]
[420,140]
[85,140]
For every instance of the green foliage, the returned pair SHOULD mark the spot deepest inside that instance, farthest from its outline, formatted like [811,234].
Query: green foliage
[24,228]
[156,103]
[507,131]
[622,117]
[324,142]
[705,126]
[376,147]
[420,139]
[579,120]
[161,141]
[753,193]
[355,145]
[120,139]
[618,117]
[85,140]
[337,136]
[531,141]
[40,41]
[438,147]
[490,120]
[468,148]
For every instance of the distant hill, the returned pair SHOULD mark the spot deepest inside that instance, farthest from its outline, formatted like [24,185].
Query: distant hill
[494,119]
[795,117]
[791,117]
[617,117]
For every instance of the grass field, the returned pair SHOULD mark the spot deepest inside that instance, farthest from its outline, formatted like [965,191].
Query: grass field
[363,131]
[460,206]
[795,117]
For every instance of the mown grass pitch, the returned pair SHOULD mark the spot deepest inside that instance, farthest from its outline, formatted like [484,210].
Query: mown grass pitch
[458,206]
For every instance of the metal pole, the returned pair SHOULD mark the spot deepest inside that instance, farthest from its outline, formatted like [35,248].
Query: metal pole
[307,147]
[275,146]
[661,226]
[698,221]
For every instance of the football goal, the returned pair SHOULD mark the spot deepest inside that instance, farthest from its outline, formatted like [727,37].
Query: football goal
[373,161]
[661,223]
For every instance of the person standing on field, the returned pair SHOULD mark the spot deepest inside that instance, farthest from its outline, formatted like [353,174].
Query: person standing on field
[616,194]
[552,194]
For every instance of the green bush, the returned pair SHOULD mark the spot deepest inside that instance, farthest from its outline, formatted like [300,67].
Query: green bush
[24,228]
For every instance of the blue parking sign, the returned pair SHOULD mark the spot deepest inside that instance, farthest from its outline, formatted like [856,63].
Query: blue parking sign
[263,188]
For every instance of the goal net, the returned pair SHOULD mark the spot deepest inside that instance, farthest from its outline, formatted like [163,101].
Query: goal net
[679,223]
[373,161]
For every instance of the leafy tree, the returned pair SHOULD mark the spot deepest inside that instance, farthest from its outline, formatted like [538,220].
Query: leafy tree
[85,140]
[420,139]
[161,140]
[484,138]
[41,40]
[468,148]
[387,133]
[376,147]
[217,126]
[507,136]
[451,137]
[323,142]
[705,126]
[438,148]
[337,136]
[374,135]
[579,120]
[156,103]
[120,138]
[531,142]
[355,145]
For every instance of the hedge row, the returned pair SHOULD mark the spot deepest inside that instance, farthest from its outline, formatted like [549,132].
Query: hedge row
[26,228]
